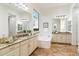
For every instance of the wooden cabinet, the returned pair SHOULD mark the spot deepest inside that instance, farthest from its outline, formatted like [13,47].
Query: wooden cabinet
[13,53]
[28,46]
[35,42]
[10,51]
[4,51]
[62,38]
[24,48]
[32,45]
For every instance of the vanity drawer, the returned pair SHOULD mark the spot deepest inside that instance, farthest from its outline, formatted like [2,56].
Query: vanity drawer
[13,53]
[8,49]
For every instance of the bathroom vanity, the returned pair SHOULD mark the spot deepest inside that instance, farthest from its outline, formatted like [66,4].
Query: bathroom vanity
[23,46]
[62,37]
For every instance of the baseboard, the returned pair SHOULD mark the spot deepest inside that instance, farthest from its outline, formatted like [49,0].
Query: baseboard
[33,51]
[61,43]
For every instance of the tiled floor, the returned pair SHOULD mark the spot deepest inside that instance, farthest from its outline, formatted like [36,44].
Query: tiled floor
[56,50]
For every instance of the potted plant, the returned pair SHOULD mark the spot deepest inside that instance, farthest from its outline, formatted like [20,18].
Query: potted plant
[24,31]
[29,32]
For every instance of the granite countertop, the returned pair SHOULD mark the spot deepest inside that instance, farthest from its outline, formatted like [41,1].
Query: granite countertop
[20,39]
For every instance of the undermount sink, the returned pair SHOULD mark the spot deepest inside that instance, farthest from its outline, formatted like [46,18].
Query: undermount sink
[13,38]
[7,40]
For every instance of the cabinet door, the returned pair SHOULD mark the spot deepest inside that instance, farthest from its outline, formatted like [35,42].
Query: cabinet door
[13,50]
[30,46]
[13,53]
[35,43]
[69,37]
[56,38]
[24,48]
[4,51]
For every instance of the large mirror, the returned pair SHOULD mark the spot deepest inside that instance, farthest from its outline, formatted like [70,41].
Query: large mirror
[61,23]
[35,17]
[19,24]
[23,22]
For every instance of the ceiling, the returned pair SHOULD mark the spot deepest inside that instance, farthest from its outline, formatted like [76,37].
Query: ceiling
[45,8]
[46,5]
